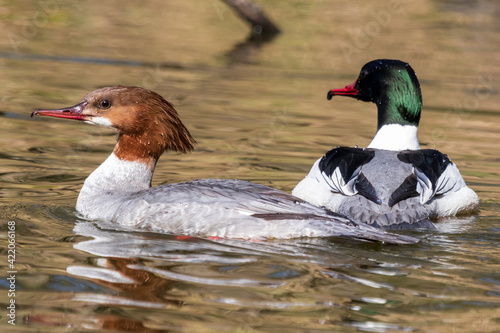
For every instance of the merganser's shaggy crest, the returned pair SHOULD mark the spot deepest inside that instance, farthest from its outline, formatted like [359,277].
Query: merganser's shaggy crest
[393,183]
[120,191]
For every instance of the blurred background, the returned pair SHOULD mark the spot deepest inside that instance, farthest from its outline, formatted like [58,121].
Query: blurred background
[258,109]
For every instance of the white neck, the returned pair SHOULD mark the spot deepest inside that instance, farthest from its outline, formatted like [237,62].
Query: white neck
[396,137]
[113,179]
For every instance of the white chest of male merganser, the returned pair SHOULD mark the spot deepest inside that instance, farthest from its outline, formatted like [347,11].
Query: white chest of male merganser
[392,183]
[119,190]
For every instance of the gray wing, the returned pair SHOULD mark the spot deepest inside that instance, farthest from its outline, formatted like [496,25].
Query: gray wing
[396,186]
[239,209]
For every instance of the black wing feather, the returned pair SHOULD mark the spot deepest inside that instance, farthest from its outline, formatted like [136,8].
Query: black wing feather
[346,159]
[406,190]
[430,162]
[366,189]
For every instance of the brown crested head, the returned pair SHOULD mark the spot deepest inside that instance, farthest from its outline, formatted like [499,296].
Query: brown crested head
[147,124]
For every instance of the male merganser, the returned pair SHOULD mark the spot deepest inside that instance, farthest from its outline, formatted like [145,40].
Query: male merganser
[120,191]
[392,183]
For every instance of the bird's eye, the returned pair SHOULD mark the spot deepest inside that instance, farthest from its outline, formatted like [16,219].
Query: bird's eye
[104,104]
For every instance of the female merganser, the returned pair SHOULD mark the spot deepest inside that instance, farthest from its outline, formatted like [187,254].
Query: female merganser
[393,183]
[120,191]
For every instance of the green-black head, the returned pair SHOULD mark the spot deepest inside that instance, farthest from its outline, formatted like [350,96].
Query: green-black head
[393,86]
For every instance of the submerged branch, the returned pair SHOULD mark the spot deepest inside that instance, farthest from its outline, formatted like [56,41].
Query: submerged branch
[262,27]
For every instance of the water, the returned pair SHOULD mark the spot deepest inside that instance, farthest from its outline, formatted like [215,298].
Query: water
[258,114]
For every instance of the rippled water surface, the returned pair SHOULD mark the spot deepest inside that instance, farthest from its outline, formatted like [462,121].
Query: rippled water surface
[259,113]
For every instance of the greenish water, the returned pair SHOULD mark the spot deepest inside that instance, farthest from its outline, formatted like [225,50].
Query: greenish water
[258,114]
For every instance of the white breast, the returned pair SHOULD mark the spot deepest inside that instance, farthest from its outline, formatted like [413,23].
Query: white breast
[109,185]
[396,137]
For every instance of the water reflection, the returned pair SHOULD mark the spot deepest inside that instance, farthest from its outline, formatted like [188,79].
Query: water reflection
[354,283]
[157,271]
